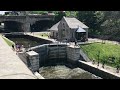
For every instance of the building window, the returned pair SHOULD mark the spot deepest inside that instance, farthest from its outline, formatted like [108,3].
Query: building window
[63,33]
[63,25]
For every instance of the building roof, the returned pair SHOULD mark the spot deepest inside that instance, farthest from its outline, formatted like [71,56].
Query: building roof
[74,23]
[80,30]
[55,27]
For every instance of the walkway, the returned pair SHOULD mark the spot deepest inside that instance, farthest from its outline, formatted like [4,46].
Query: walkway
[92,40]
[106,68]
[11,67]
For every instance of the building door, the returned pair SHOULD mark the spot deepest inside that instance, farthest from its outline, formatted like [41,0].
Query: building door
[81,36]
[53,34]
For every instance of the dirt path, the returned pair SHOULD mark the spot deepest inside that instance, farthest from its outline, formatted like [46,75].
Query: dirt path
[92,40]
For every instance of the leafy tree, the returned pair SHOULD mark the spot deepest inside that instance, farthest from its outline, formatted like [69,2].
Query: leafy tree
[71,13]
[38,12]
[111,24]
[104,61]
[92,19]
[59,15]
[117,65]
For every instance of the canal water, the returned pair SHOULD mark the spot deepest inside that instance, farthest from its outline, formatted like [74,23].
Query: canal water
[64,72]
[26,40]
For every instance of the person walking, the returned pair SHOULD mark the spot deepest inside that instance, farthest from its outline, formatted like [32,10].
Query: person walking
[98,64]
[93,62]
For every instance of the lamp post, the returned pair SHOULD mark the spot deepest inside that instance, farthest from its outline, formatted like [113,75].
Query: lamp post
[98,55]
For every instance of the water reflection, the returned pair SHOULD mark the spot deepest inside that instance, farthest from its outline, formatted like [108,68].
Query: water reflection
[26,42]
[63,72]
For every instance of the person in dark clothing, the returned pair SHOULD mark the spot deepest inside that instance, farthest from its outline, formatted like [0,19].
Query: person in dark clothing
[103,64]
[13,47]
[98,64]
[19,47]
[75,42]
[93,61]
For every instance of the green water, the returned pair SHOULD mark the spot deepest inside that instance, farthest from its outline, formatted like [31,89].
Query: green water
[26,42]
[63,72]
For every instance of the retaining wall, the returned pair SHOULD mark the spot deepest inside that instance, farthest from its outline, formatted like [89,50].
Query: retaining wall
[96,71]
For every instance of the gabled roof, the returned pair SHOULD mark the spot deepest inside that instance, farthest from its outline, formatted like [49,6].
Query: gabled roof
[80,30]
[74,23]
[55,27]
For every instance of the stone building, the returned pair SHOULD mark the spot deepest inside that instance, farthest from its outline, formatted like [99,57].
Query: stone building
[69,29]
[72,29]
[54,31]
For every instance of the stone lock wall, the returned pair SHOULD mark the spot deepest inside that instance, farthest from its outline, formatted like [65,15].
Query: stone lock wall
[50,53]
[33,60]
[73,53]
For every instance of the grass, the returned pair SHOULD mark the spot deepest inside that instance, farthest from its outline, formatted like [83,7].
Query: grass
[105,51]
[9,42]
[44,35]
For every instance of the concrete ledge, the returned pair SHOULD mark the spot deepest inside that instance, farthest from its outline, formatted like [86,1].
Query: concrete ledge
[97,71]
[38,75]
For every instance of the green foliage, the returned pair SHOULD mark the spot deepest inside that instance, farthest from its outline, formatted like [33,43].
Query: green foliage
[44,35]
[107,52]
[87,17]
[10,43]
[38,12]
[59,15]
[71,13]
[92,19]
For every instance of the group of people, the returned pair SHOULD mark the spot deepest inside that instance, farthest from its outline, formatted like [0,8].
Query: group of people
[17,47]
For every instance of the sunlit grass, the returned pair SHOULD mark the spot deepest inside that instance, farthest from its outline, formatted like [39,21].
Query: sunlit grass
[9,42]
[105,51]
[45,35]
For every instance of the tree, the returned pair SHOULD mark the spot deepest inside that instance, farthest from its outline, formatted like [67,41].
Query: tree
[111,24]
[92,19]
[87,17]
[38,12]
[104,61]
[71,13]
[98,57]
[117,65]
[59,15]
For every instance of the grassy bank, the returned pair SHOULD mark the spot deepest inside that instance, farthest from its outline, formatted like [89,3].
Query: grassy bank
[44,35]
[103,52]
[9,42]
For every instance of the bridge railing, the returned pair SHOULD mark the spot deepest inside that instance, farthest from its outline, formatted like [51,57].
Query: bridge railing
[12,17]
[23,16]
[41,16]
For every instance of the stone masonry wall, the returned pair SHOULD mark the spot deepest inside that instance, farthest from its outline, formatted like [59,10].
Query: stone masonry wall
[73,53]
[33,60]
